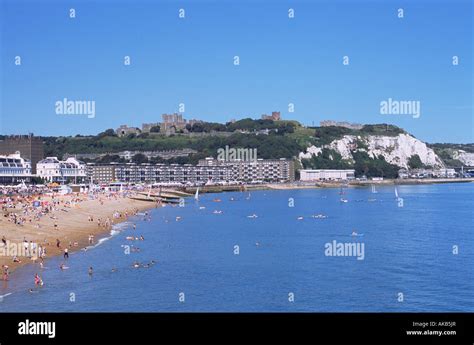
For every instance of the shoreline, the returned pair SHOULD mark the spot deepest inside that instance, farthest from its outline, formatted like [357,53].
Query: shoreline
[325,184]
[73,227]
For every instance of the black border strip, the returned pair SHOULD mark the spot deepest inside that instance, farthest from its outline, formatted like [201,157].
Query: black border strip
[239,328]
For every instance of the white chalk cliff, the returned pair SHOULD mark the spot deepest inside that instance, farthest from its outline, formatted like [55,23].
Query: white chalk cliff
[467,158]
[395,149]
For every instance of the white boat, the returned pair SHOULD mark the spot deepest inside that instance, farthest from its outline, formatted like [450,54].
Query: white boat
[252,216]
[196,196]
[344,200]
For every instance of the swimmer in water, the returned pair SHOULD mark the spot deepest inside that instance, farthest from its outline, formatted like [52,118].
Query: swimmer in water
[136,264]
[90,271]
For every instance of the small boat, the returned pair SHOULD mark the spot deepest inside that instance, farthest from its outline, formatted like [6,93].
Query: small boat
[343,200]
[319,216]
[217,212]
[371,200]
[300,218]
[253,216]
[202,207]
[178,218]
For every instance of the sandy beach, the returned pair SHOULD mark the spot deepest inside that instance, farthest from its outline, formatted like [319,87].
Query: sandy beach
[71,220]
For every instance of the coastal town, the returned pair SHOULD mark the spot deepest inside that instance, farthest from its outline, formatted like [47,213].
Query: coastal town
[23,159]
[52,205]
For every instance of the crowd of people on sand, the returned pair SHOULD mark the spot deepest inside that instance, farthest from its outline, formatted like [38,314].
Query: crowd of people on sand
[20,209]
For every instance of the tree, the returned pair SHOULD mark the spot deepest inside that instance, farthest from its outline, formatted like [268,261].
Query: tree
[107,133]
[414,162]
[155,129]
[139,158]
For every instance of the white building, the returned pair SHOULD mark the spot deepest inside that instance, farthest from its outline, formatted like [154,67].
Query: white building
[446,173]
[53,170]
[326,174]
[14,169]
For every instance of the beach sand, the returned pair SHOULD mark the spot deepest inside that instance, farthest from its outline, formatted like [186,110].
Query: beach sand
[72,226]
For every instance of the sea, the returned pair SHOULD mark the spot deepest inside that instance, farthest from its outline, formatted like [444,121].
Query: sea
[273,251]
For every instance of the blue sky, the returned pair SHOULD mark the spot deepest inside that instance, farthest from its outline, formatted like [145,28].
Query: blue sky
[282,61]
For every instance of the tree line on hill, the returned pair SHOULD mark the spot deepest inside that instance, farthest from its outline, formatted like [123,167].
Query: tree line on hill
[285,139]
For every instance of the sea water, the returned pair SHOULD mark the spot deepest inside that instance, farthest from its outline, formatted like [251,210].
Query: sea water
[419,257]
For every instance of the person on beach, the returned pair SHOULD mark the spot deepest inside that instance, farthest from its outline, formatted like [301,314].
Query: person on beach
[58,243]
[6,272]
[38,280]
